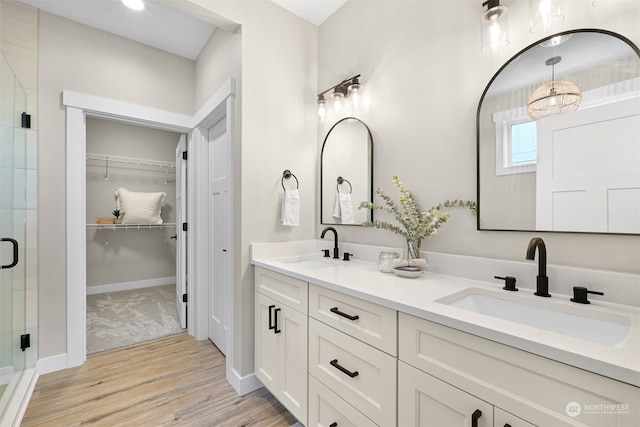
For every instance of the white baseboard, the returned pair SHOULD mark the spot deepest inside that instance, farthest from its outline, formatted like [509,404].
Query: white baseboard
[127,286]
[52,364]
[243,385]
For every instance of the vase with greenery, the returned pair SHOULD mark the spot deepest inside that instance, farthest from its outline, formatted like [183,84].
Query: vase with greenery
[118,215]
[413,224]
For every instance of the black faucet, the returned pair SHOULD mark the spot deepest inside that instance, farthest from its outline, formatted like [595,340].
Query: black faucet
[542,281]
[336,252]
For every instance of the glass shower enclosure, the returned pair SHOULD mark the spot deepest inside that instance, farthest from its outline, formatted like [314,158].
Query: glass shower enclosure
[14,340]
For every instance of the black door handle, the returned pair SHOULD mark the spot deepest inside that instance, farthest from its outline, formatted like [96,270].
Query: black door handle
[340,313]
[275,326]
[475,416]
[15,252]
[333,424]
[175,237]
[335,364]
[271,325]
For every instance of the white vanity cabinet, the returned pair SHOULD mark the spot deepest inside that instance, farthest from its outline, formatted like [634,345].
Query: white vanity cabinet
[352,360]
[281,339]
[453,373]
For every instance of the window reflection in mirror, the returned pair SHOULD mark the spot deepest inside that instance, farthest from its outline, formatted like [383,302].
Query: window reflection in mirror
[346,173]
[573,172]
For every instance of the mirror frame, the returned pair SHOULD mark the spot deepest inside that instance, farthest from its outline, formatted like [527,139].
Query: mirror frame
[370,161]
[631,44]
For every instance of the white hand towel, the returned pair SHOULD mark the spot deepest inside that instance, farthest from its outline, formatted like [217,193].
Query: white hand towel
[290,214]
[337,212]
[346,209]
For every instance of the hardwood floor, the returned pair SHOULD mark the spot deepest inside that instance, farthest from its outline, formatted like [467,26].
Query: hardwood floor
[174,381]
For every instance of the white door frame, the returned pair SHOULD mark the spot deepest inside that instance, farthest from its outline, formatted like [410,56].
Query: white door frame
[78,107]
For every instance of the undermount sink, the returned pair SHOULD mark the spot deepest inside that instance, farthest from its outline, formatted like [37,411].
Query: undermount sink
[597,326]
[312,264]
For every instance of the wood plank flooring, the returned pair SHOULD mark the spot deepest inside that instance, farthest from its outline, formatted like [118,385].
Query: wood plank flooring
[174,381]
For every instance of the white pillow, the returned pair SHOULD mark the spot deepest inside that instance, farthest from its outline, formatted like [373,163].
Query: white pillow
[139,208]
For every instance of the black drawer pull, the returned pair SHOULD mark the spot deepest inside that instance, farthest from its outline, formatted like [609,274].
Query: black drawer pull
[333,424]
[276,331]
[475,416]
[271,325]
[15,252]
[339,313]
[335,364]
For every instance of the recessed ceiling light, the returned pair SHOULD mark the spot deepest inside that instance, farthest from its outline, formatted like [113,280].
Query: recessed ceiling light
[134,4]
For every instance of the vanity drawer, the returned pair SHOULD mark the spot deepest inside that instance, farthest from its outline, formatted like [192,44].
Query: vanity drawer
[327,408]
[284,289]
[376,325]
[362,375]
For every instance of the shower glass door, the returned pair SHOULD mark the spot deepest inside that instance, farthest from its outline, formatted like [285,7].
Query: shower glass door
[13,211]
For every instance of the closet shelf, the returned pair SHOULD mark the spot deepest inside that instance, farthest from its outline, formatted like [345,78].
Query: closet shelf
[130,226]
[108,158]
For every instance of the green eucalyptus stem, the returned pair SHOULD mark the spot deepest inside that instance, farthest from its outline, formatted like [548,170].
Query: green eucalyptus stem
[414,224]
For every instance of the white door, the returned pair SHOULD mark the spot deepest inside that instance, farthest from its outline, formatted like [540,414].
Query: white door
[181,236]
[588,172]
[219,233]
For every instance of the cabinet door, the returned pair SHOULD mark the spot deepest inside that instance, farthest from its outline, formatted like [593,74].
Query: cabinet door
[424,400]
[292,375]
[266,343]
[327,409]
[504,419]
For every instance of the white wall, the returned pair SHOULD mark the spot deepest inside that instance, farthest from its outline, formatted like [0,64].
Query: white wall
[422,64]
[123,256]
[81,59]
[279,64]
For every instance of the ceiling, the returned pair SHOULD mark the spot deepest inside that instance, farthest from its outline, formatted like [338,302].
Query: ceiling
[162,26]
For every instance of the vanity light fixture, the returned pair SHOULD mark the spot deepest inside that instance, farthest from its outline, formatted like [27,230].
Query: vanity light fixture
[545,14]
[554,97]
[134,4]
[495,27]
[345,98]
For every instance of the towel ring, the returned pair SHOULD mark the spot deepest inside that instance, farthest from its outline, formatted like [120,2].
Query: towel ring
[341,180]
[286,175]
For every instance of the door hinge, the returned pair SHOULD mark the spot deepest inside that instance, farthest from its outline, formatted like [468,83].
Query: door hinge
[26,120]
[184,226]
[25,341]
[184,297]
[184,155]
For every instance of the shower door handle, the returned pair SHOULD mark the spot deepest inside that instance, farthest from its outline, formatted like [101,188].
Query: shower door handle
[15,252]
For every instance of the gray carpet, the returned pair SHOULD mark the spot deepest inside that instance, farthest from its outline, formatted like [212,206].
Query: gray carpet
[118,319]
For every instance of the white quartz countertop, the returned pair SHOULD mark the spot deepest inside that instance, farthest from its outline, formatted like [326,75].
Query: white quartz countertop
[420,296]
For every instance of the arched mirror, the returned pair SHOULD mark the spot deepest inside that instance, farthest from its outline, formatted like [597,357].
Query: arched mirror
[346,173]
[569,172]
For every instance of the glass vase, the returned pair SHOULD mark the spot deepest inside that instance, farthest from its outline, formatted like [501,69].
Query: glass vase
[413,248]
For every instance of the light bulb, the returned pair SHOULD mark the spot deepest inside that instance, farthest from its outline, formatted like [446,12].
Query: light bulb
[322,112]
[338,101]
[134,4]
[354,95]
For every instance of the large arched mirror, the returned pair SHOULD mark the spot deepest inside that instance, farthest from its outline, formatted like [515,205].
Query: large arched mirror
[346,173]
[571,172]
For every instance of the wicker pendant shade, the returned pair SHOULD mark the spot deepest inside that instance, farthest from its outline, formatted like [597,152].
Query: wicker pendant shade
[554,97]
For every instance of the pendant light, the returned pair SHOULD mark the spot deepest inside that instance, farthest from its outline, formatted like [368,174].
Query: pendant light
[545,14]
[554,97]
[495,27]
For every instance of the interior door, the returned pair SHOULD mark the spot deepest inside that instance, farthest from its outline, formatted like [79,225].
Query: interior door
[219,237]
[588,173]
[181,236]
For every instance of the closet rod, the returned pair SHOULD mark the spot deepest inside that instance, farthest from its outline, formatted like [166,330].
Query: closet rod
[130,160]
